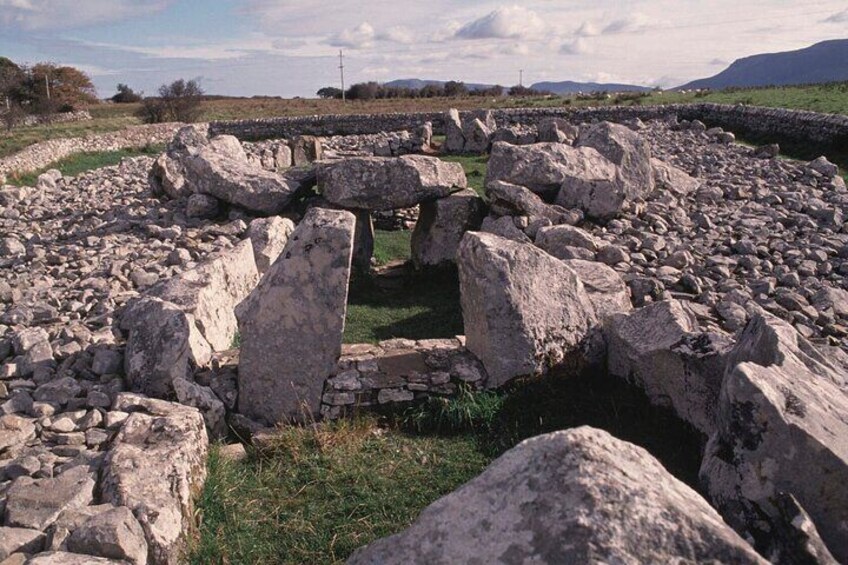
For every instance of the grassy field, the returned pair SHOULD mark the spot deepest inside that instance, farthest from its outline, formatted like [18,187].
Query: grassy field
[322,491]
[832,98]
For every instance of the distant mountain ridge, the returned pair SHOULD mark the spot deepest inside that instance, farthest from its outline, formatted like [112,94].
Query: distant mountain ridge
[826,61]
[564,87]
[571,87]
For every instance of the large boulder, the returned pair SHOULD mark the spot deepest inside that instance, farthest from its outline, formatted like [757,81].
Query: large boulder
[168,174]
[291,325]
[524,310]
[545,168]
[559,240]
[115,534]
[506,199]
[477,135]
[782,428]
[222,171]
[557,130]
[164,343]
[454,137]
[211,291]
[156,467]
[661,349]
[670,178]
[388,183]
[441,225]
[576,496]
[627,149]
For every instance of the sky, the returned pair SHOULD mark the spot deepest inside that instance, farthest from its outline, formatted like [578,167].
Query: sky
[291,47]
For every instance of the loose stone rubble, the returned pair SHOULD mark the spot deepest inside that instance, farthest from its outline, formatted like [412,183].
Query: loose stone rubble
[215,277]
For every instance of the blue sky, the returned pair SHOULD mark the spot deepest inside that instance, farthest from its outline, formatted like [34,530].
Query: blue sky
[290,48]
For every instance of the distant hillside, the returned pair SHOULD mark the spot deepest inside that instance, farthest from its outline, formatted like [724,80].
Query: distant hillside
[823,62]
[570,87]
[418,83]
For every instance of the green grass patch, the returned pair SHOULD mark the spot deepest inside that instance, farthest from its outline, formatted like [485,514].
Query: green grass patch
[319,493]
[13,141]
[392,246]
[414,307]
[475,169]
[82,162]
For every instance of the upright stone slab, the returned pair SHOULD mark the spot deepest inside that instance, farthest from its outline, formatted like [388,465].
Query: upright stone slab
[454,138]
[574,496]
[627,149]
[306,149]
[524,310]
[269,237]
[291,325]
[441,225]
[782,427]
[363,241]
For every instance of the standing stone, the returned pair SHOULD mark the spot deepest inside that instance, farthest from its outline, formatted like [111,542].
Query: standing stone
[156,467]
[575,496]
[661,349]
[782,427]
[441,225]
[524,310]
[268,236]
[389,183]
[454,138]
[363,241]
[477,137]
[306,149]
[291,325]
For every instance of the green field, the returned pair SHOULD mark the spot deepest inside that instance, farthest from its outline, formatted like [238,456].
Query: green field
[82,162]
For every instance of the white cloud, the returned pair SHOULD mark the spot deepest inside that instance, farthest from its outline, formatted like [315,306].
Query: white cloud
[510,22]
[837,18]
[355,37]
[631,24]
[397,34]
[576,47]
[587,29]
[68,14]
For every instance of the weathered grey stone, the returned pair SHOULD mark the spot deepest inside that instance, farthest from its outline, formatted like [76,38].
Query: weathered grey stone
[204,399]
[441,225]
[66,558]
[545,167]
[661,349]
[477,135]
[20,540]
[512,200]
[115,534]
[557,130]
[387,183]
[628,150]
[202,206]
[211,291]
[269,237]
[576,496]
[37,504]
[454,137]
[504,227]
[305,150]
[164,343]
[363,241]
[605,287]
[15,430]
[668,177]
[158,440]
[782,428]
[555,239]
[524,310]
[291,325]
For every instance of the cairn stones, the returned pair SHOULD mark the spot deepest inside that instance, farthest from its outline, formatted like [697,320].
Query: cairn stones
[291,324]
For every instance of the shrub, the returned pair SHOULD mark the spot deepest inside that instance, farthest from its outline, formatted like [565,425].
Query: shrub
[179,101]
[126,95]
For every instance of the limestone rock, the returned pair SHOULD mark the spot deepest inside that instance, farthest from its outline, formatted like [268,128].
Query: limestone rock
[164,344]
[576,496]
[556,239]
[661,349]
[66,558]
[15,430]
[512,200]
[115,534]
[782,428]
[156,465]
[202,206]
[524,310]
[388,183]
[291,325]
[668,177]
[269,237]
[441,225]
[557,130]
[454,137]
[305,149]
[477,135]
[204,399]
[627,149]
[20,540]
[211,291]
[606,289]
[37,504]
[504,227]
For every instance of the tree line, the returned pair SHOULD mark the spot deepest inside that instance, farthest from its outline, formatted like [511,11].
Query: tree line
[451,89]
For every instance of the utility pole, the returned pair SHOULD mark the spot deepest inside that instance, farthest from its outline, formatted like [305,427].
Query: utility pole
[521,77]
[341,71]
[47,84]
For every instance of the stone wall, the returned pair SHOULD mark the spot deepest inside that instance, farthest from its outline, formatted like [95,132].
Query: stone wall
[825,132]
[62,118]
[42,154]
